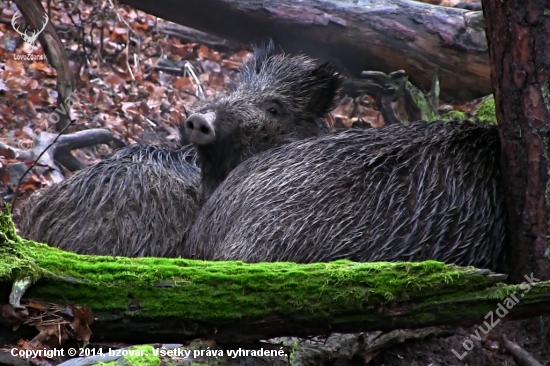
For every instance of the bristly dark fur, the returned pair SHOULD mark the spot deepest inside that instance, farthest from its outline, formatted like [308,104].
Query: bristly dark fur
[143,200]
[303,92]
[140,202]
[394,193]
[261,53]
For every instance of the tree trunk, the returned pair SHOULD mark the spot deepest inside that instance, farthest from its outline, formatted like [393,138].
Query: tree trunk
[164,300]
[518,34]
[374,35]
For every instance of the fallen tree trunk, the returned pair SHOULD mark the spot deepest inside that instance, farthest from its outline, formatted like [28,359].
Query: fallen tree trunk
[184,34]
[163,300]
[373,35]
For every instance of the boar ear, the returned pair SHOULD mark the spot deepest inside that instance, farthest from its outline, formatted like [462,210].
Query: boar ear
[262,53]
[322,88]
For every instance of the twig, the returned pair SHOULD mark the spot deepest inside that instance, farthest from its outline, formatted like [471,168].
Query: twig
[198,85]
[522,357]
[129,30]
[16,193]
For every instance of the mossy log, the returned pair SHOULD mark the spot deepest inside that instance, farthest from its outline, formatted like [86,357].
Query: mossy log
[165,300]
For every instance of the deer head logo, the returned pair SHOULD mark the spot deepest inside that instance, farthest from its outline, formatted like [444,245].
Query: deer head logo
[30,39]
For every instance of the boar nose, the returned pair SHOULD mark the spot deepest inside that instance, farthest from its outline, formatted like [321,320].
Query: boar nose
[199,128]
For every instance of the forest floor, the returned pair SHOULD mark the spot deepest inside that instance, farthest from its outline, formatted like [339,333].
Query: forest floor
[136,81]
[531,334]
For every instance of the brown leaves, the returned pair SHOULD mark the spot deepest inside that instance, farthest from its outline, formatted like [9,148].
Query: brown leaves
[141,28]
[31,183]
[356,111]
[43,68]
[12,69]
[178,51]
[55,323]
[115,80]
[119,34]
[133,80]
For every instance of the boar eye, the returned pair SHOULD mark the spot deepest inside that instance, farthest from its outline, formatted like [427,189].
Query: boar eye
[274,112]
[272,108]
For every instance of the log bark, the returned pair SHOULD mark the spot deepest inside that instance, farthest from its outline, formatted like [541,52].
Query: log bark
[372,35]
[188,35]
[184,34]
[143,300]
[519,38]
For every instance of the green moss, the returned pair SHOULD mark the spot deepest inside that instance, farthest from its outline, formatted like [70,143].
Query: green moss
[485,112]
[292,355]
[455,115]
[224,287]
[208,291]
[216,292]
[135,356]
[428,113]
[20,264]
[146,359]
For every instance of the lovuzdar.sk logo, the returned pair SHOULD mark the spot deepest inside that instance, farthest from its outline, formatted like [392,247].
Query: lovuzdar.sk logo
[28,38]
